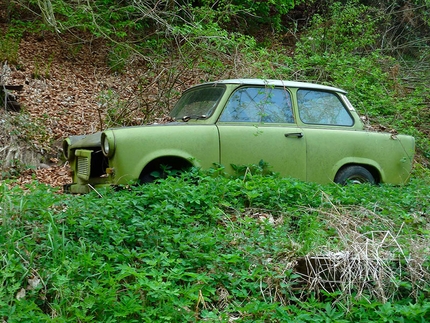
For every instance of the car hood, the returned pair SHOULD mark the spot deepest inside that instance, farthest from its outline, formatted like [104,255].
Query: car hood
[94,140]
[85,141]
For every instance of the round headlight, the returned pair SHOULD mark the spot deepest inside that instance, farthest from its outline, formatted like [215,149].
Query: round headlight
[108,145]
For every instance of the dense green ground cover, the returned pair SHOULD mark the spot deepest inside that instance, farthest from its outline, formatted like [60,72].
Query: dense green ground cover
[203,247]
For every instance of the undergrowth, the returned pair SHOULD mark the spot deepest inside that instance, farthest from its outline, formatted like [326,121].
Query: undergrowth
[203,247]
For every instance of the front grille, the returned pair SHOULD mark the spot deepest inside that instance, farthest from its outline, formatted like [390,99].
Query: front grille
[83,160]
[83,168]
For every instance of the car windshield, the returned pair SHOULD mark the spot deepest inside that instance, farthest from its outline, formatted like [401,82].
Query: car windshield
[198,103]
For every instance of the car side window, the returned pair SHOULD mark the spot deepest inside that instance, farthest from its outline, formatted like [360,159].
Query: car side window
[325,108]
[259,105]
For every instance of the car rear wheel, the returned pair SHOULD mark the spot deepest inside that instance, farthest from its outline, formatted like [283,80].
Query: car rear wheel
[354,175]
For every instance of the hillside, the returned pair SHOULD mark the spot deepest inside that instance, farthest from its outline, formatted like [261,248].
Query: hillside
[77,82]
[59,93]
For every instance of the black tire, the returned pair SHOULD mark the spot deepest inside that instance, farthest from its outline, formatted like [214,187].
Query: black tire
[152,176]
[354,175]
[146,179]
[160,173]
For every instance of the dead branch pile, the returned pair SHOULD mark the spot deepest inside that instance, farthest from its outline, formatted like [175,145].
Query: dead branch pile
[369,264]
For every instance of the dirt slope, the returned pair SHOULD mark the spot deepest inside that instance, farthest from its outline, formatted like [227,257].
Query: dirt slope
[62,81]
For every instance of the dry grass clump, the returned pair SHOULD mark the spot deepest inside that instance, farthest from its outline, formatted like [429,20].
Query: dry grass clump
[370,264]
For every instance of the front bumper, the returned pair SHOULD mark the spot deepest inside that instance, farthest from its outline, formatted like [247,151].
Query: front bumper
[75,188]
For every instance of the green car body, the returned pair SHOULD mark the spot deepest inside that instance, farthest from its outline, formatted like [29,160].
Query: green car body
[306,131]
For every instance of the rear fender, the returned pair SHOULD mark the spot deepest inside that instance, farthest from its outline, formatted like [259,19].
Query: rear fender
[373,167]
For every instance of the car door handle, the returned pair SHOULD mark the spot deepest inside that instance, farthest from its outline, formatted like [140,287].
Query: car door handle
[294,134]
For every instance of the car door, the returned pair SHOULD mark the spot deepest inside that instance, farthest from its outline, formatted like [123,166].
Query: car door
[257,124]
[328,128]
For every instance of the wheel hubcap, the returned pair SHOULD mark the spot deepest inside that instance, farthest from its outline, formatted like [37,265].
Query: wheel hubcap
[357,180]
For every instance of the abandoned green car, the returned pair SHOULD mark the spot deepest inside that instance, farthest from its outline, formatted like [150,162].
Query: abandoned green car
[306,131]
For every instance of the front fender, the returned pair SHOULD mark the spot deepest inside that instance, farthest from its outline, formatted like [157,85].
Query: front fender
[178,153]
[136,148]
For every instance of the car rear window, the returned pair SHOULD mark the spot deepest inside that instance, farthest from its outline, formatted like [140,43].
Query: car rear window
[320,107]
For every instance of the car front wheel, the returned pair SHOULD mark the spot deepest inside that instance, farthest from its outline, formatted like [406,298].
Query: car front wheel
[354,175]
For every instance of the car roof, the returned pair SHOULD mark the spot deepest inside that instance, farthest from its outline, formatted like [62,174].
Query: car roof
[277,83]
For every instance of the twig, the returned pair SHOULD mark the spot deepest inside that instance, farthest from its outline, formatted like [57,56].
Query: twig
[92,187]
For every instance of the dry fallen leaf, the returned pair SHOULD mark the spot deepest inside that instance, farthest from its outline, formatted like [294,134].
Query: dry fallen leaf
[20,294]
[33,282]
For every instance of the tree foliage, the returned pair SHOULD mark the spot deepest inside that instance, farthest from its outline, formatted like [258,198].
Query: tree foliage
[402,25]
